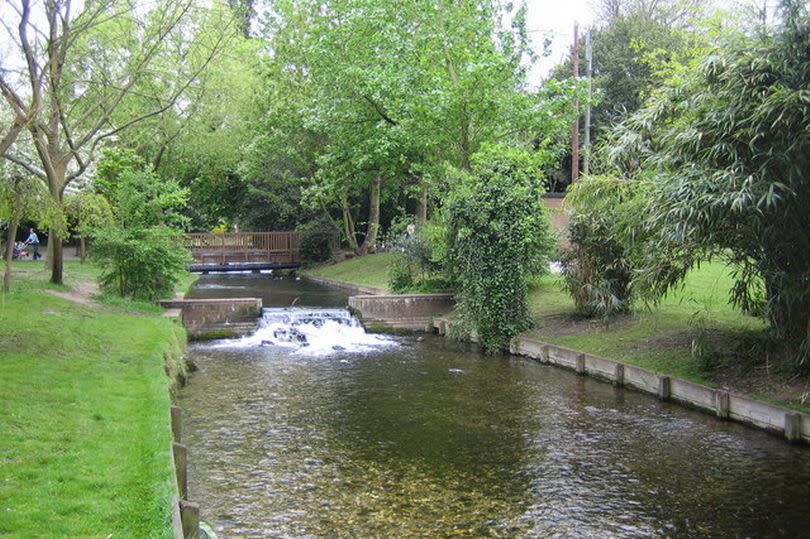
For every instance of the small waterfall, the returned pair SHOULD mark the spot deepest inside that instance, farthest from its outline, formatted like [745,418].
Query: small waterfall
[312,331]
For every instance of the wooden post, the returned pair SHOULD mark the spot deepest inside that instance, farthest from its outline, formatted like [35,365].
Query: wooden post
[190,516]
[793,427]
[575,128]
[546,355]
[180,468]
[581,364]
[618,375]
[177,425]
[664,387]
[722,404]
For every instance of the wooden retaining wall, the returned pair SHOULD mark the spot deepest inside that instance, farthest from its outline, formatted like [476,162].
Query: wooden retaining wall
[185,513]
[793,426]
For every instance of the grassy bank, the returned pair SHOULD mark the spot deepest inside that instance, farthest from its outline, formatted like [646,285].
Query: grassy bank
[694,318]
[84,399]
[370,270]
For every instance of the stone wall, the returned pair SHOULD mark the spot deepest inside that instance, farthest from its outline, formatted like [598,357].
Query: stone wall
[794,426]
[210,318]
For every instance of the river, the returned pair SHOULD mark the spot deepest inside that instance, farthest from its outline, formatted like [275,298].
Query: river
[340,434]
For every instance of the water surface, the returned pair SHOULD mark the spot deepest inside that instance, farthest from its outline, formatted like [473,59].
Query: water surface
[429,438]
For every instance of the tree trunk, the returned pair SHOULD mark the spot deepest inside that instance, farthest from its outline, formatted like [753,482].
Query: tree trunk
[55,259]
[12,235]
[348,225]
[370,242]
[82,249]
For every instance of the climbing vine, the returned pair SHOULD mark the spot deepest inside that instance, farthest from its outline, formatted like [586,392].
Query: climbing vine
[500,238]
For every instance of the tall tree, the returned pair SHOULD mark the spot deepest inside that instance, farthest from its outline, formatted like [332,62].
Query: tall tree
[390,94]
[84,66]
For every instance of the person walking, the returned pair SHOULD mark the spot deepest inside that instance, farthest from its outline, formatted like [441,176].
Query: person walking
[33,240]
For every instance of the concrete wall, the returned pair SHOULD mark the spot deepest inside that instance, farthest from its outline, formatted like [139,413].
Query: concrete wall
[794,426]
[351,287]
[231,317]
[406,311]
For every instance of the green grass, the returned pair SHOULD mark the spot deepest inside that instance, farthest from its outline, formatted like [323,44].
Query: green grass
[369,270]
[84,398]
[657,338]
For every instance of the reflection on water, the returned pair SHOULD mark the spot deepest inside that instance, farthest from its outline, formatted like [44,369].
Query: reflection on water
[432,439]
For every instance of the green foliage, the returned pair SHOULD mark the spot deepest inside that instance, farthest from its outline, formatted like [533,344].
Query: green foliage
[501,238]
[142,264]
[316,244]
[400,274]
[139,257]
[607,232]
[726,145]
[143,199]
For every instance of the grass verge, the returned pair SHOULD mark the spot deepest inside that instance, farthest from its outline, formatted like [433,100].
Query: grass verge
[84,398]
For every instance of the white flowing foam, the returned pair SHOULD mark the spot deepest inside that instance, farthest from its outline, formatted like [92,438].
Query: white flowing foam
[312,332]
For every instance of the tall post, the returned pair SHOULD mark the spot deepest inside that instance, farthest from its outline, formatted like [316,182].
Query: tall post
[575,138]
[586,158]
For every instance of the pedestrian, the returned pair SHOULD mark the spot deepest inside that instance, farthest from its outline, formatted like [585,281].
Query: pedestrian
[33,240]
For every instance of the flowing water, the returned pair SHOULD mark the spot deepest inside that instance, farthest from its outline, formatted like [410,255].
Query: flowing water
[311,428]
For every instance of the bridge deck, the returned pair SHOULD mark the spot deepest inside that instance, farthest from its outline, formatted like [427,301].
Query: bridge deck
[241,266]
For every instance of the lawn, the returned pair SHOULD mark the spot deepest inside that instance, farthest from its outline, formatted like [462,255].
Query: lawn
[369,270]
[655,337]
[84,401]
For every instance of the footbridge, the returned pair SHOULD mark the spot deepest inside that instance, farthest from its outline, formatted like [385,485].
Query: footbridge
[241,251]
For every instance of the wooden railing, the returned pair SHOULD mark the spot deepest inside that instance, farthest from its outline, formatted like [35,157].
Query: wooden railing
[279,247]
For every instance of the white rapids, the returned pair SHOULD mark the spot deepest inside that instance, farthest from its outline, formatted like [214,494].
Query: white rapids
[314,331]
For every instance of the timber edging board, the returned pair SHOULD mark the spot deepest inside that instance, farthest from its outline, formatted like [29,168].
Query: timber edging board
[793,425]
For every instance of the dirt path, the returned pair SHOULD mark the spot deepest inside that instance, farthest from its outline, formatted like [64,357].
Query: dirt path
[81,293]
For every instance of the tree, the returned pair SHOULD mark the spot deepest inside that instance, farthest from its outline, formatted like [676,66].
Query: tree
[387,96]
[82,69]
[726,144]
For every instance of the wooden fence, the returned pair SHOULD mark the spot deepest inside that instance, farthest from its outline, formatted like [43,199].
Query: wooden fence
[230,247]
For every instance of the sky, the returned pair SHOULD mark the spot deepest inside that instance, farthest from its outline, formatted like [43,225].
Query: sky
[555,19]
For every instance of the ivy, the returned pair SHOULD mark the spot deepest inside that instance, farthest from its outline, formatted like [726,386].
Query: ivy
[500,238]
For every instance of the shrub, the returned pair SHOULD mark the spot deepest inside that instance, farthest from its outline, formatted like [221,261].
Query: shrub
[606,232]
[420,264]
[316,245]
[400,274]
[500,237]
[143,264]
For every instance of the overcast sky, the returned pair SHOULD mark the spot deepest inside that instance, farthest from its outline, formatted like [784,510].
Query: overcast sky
[555,19]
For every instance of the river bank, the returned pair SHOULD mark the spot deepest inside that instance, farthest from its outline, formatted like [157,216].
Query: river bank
[86,437]
[694,334]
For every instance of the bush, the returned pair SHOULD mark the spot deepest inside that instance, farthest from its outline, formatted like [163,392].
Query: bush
[143,264]
[400,274]
[316,245]
[421,260]
[500,238]
[606,232]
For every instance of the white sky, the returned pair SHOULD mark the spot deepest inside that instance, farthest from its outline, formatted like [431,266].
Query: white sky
[555,19]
